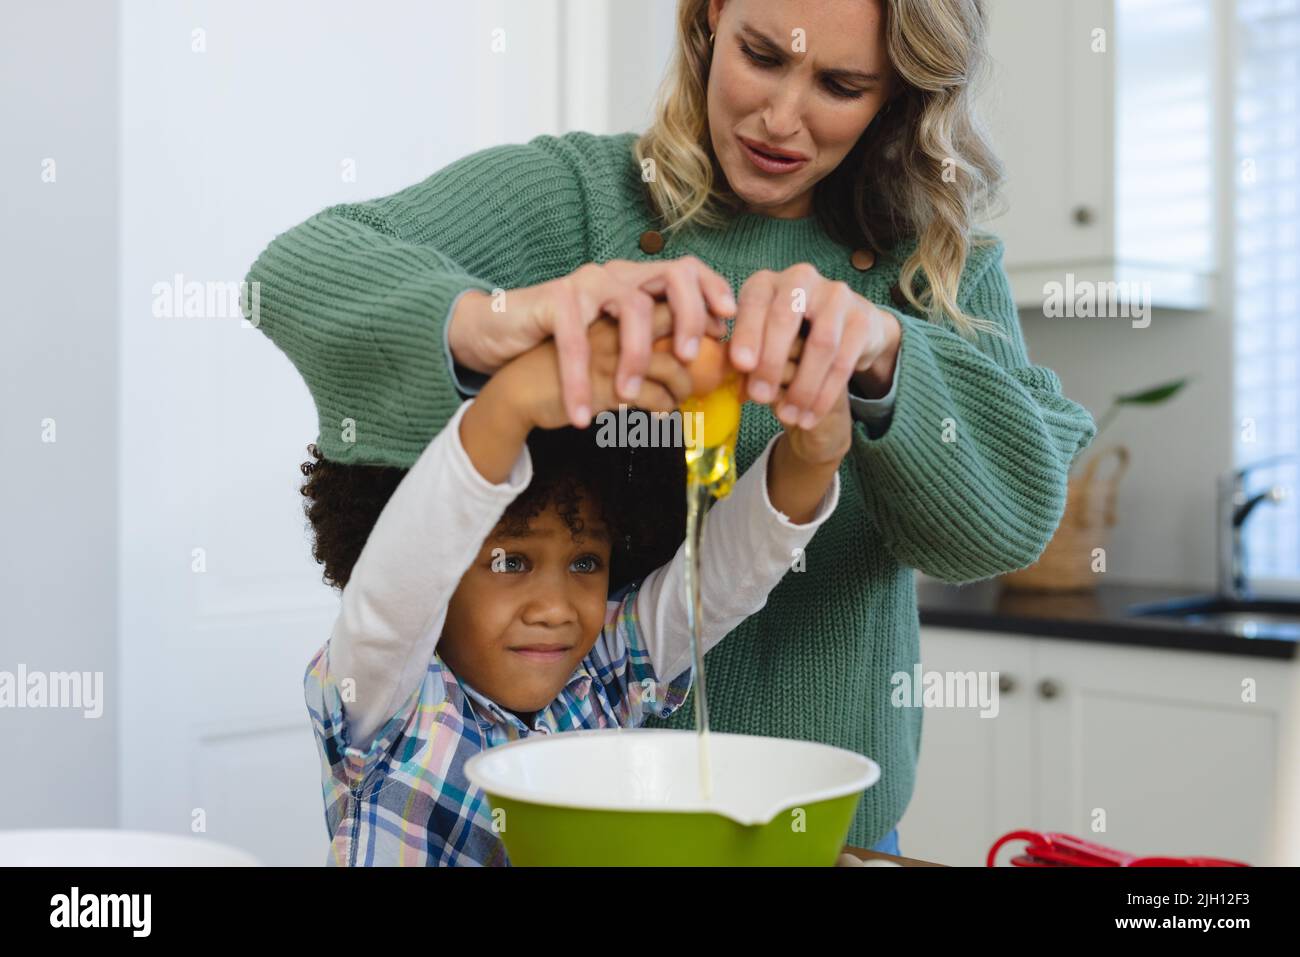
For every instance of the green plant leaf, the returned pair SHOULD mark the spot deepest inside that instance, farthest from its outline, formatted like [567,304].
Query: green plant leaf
[1154,395]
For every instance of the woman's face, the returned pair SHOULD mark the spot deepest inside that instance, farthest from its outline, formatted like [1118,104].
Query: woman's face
[802,76]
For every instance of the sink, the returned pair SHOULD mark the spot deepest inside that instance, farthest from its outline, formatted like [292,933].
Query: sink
[1248,617]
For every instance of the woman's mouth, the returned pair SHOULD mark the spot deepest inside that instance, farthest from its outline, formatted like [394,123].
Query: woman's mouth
[770,163]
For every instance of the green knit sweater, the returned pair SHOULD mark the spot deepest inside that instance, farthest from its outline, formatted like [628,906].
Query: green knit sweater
[968,480]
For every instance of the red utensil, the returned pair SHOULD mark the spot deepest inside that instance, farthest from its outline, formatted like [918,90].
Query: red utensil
[1065,850]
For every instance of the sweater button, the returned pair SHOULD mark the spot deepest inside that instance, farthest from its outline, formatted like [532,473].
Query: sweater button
[862,259]
[651,242]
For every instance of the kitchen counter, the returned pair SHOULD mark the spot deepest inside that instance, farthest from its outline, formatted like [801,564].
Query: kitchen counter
[1097,615]
[862,854]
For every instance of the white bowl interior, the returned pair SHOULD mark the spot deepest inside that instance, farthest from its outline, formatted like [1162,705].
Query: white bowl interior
[658,769]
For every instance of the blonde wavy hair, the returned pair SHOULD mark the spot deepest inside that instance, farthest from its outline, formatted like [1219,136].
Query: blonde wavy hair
[891,185]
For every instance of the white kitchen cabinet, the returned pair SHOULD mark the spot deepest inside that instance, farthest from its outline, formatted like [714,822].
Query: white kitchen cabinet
[1160,740]
[1103,113]
[973,782]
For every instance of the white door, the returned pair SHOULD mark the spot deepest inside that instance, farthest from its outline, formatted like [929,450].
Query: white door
[238,120]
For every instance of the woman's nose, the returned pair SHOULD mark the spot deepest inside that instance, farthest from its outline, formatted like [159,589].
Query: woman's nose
[781,118]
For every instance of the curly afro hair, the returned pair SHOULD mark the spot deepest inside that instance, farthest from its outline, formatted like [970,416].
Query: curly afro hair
[640,493]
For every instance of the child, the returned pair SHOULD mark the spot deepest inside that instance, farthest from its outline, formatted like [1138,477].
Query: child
[479,611]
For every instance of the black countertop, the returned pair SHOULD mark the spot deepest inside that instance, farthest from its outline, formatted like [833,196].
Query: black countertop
[1097,615]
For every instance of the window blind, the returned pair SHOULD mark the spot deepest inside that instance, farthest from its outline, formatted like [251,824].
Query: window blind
[1266,224]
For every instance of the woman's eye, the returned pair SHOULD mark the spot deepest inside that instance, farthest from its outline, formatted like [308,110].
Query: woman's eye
[834,88]
[837,90]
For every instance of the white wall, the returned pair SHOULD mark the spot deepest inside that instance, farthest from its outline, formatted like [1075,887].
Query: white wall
[222,149]
[58,270]
[1164,532]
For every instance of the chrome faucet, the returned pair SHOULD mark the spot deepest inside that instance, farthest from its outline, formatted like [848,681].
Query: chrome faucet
[1234,507]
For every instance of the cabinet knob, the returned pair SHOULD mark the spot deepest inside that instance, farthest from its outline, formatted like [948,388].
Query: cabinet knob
[1047,688]
[1006,684]
[1083,215]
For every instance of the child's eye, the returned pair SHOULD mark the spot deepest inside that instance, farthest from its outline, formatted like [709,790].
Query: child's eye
[508,563]
[592,563]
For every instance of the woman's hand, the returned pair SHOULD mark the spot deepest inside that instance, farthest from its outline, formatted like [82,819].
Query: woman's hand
[488,331]
[829,439]
[804,461]
[530,385]
[848,336]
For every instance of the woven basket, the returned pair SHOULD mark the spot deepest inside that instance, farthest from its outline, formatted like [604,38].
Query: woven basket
[1066,563]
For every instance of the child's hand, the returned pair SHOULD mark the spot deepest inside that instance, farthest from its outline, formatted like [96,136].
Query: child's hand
[531,382]
[830,439]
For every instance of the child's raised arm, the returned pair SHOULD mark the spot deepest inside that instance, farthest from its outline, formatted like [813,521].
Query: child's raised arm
[804,460]
[428,533]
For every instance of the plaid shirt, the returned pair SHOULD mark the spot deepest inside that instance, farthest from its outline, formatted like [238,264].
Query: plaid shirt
[406,800]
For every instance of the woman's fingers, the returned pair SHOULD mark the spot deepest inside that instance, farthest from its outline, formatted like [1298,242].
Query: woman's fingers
[636,336]
[661,320]
[600,293]
[829,304]
[563,308]
[798,335]
[787,374]
[570,327]
[699,296]
[695,292]
[746,343]
[856,334]
[721,300]
[781,324]
[666,382]
[680,282]
[625,290]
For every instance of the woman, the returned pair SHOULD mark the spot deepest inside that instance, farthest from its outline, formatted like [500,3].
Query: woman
[822,160]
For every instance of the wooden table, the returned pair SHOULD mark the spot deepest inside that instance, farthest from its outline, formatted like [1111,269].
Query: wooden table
[864,854]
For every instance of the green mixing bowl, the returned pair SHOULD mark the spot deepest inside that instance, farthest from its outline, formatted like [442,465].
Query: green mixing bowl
[632,797]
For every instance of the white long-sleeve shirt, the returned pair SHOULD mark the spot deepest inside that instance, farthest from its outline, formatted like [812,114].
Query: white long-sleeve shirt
[432,528]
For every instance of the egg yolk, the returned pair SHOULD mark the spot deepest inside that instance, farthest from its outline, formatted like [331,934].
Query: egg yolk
[716,392]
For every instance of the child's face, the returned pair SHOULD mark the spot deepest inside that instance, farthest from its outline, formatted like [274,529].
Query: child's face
[517,633]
